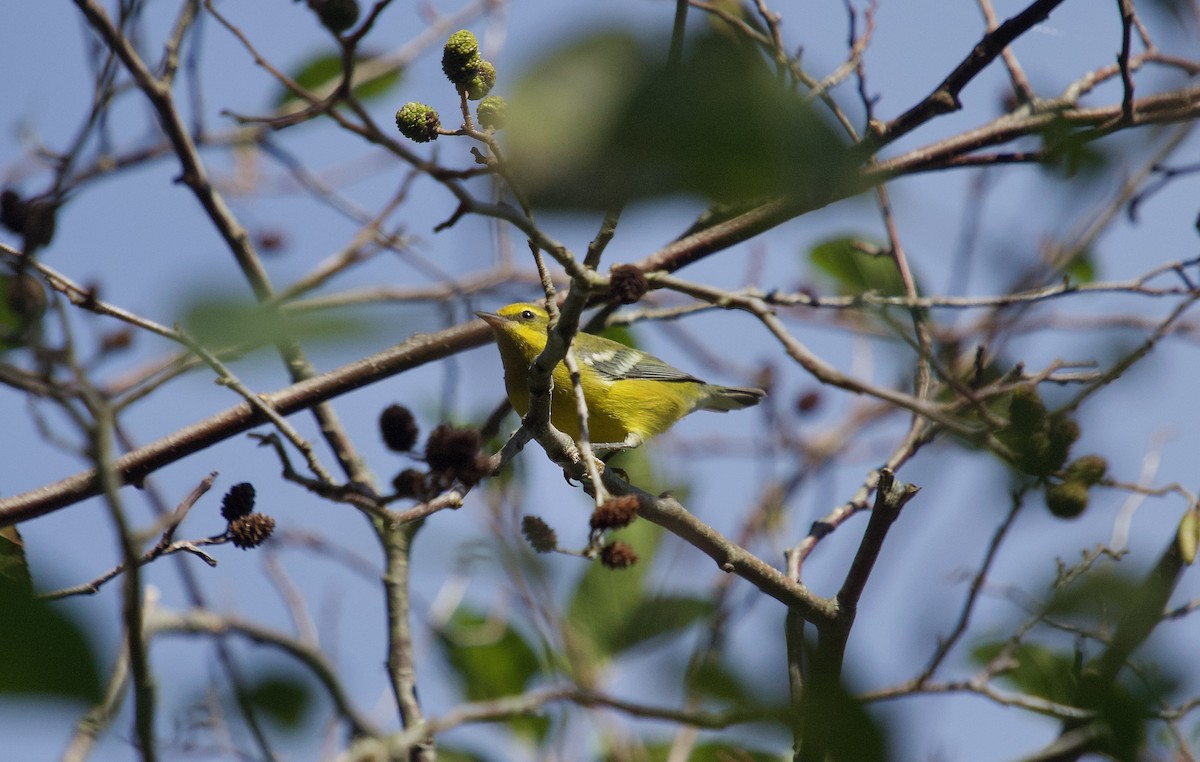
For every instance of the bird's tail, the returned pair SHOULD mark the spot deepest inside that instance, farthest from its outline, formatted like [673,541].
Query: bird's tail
[724,398]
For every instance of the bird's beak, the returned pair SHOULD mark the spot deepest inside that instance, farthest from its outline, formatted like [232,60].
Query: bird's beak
[492,319]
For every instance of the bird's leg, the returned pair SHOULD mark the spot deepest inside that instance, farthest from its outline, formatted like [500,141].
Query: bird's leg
[601,459]
[615,449]
[609,450]
[612,448]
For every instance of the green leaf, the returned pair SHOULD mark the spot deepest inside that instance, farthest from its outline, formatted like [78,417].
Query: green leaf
[316,72]
[838,726]
[44,651]
[1126,707]
[22,304]
[605,120]
[223,322]
[378,85]
[716,681]
[1071,151]
[849,262]
[1097,599]
[490,656]
[713,751]
[657,616]
[610,610]
[604,600]
[1082,269]
[320,73]
[1038,670]
[622,334]
[282,697]
[14,569]
[491,659]
[1124,713]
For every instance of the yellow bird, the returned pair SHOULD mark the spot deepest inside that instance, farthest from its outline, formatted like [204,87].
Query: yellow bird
[631,396]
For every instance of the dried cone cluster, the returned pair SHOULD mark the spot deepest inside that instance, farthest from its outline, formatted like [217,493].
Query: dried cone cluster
[398,427]
[455,454]
[539,534]
[627,283]
[615,512]
[618,555]
[246,529]
[251,531]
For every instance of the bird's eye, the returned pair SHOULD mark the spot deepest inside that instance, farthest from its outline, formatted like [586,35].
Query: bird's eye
[527,315]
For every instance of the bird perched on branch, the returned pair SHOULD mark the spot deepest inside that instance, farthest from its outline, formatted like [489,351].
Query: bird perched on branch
[631,395]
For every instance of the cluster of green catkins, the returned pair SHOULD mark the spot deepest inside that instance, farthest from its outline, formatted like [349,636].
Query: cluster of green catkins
[463,66]
[1041,445]
[1068,498]
[471,74]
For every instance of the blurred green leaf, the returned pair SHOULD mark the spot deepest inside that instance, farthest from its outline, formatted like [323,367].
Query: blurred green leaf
[743,12]
[376,87]
[1125,713]
[713,679]
[1071,151]
[321,72]
[45,652]
[716,680]
[713,751]
[610,609]
[224,322]
[22,304]
[656,616]
[622,334]
[1099,598]
[1082,269]
[838,727]
[854,270]
[1036,670]
[315,72]
[14,569]
[490,659]
[604,120]
[282,697]
[604,598]
[1124,707]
